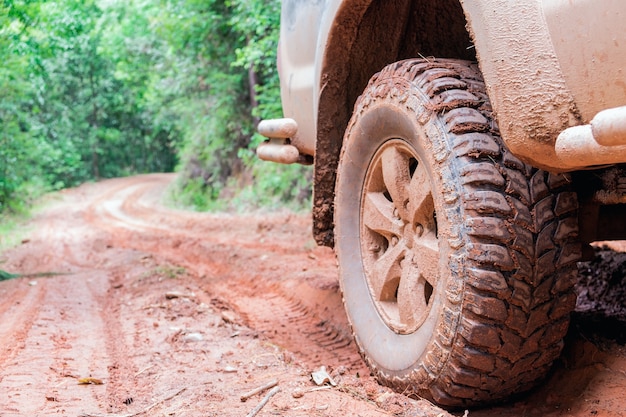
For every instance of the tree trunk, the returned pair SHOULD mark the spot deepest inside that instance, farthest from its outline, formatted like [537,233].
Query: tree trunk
[252,82]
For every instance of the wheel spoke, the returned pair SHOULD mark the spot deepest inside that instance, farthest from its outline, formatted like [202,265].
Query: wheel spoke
[396,176]
[421,206]
[386,273]
[378,215]
[418,279]
[411,300]
[426,258]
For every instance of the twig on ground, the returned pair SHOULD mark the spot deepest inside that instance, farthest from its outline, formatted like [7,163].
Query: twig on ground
[320,388]
[144,370]
[264,401]
[244,397]
[145,410]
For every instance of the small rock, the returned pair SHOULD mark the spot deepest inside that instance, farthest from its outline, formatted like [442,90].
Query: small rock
[228,316]
[341,370]
[193,337]
[297,393]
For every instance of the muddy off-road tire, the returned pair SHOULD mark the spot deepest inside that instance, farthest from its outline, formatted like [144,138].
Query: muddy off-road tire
[457,260]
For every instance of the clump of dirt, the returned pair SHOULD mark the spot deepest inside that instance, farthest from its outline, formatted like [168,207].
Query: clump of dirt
[601,287]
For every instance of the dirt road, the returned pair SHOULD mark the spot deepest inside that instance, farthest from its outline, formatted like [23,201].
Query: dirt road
[165,312]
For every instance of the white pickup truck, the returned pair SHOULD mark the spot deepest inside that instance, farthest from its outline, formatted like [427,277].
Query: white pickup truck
[465,154]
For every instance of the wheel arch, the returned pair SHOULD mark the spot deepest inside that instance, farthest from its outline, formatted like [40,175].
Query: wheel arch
[365,36]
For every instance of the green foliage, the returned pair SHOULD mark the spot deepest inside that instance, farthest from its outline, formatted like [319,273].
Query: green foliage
[103,88]
[273,184]
[230,85]
[76,103]
[16,146]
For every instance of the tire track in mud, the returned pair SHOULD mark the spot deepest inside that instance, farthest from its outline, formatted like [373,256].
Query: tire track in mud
[24,303]
[120,340]
[287,322]
[52,335]
[135,206]
[74,339]
[315,334]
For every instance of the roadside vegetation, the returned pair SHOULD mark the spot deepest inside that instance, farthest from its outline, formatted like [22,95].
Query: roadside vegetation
[101,89]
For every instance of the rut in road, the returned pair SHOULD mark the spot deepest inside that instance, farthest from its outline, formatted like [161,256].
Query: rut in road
[63,314]
[315,332]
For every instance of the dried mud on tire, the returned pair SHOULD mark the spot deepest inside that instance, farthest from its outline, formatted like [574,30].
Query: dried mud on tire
[180,313]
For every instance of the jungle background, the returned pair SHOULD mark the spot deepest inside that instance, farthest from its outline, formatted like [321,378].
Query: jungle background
[94,89]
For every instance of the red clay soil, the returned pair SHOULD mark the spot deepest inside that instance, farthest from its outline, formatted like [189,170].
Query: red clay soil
[161,312]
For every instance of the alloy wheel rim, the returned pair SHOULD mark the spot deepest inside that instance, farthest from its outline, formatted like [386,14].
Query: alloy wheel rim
[399,242]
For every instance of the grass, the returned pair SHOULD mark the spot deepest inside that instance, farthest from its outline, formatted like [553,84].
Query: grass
[14,224]
[13,229]
[164,272]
